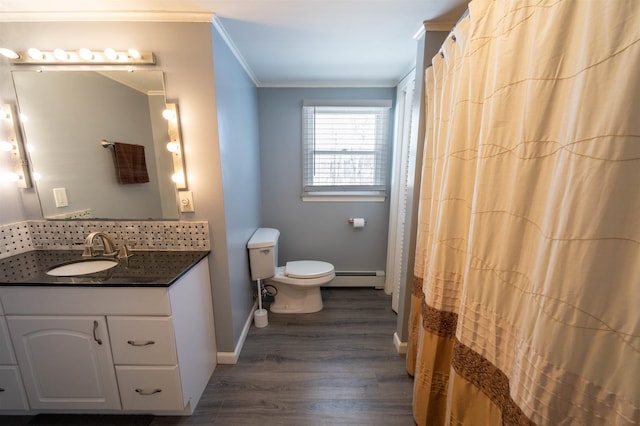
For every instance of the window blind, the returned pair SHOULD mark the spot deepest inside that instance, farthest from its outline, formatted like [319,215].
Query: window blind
[345,148]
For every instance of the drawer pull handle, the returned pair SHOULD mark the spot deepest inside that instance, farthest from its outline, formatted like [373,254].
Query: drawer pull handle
[147,343]
[151,392]
[95,335]
[1,389]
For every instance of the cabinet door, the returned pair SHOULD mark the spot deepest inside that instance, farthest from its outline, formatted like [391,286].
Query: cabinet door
[6,353]
[12,395]
[65,361]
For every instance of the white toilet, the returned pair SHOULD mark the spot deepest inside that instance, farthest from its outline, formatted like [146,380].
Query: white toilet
[297,283]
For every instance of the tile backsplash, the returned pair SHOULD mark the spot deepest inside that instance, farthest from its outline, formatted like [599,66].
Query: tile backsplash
[14,239]
[70,234]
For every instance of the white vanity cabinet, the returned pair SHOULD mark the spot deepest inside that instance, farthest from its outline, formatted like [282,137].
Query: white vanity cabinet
[105,349]
[12,395]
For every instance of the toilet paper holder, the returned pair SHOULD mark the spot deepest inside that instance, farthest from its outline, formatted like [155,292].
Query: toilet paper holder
[351,219]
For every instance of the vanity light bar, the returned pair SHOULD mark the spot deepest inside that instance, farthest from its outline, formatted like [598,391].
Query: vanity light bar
[18,157]
[172,115]
[84,56]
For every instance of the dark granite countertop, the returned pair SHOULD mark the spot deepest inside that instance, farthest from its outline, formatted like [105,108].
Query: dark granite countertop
[143,269]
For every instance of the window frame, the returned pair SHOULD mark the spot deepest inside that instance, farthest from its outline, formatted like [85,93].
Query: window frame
[374,192]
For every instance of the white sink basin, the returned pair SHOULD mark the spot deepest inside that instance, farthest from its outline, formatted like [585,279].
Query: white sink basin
[82,267]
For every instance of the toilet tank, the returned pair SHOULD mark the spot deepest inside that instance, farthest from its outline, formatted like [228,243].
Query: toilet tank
[263,253]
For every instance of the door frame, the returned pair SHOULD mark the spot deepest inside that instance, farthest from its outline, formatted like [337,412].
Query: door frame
[398,196]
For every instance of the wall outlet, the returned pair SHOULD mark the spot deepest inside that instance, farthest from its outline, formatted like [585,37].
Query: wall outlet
[186,201]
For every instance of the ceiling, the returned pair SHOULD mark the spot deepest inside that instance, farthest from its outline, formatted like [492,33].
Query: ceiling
[283,42]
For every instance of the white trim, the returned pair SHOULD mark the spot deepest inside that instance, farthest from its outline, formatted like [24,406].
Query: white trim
[397,202]
[401,347]
[232,357]
[343,198]
[374,103]
[107,16]
[234,49]
[376,281]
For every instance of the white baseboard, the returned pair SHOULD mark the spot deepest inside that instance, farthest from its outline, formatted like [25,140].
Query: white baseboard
[232,357]
[401,347]
[355,280]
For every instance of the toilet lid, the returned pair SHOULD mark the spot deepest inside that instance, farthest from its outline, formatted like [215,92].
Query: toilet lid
[307,269]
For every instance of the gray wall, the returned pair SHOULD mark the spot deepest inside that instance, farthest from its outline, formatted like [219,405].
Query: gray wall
[184,54]
[314,230]
[237,105]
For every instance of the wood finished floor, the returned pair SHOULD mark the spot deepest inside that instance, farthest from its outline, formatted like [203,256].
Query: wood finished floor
[334,367]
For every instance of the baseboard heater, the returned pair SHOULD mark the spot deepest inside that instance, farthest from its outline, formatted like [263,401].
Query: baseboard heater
[358,279]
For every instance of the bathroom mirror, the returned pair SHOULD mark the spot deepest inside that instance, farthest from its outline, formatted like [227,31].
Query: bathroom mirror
[65,117]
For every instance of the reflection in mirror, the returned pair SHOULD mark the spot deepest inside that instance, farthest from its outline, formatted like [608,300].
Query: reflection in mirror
[174,146]
[68,114]
[15,146]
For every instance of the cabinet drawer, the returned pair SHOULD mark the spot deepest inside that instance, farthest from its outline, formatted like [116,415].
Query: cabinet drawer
[6,351]
[12,395]
[149,388]
[142,340]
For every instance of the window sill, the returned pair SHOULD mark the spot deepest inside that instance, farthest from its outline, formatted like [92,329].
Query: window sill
[358,197]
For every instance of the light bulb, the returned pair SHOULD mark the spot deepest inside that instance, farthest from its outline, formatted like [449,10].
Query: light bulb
[178,178]
[85,54]
[8,146]
[35,54]
[60,54]
[11,177]
[36,176]
[169,114]
[134,53]
[173,147]
[8,53]
[111,53]
[23,117]
[30,147]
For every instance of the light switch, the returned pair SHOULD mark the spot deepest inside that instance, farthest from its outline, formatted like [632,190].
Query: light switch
[60,197]
[186,201]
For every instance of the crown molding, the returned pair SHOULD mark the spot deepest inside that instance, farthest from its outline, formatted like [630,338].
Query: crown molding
[439,26]
[107,16]
[236,52]
[429,26]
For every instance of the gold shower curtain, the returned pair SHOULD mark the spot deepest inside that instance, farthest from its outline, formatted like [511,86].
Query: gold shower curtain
[526,298]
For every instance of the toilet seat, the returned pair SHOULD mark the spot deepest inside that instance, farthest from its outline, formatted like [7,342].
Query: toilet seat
[304,273]
[298,284]
[305,269]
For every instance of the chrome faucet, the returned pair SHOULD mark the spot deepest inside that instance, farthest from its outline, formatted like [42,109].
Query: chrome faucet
[107,243]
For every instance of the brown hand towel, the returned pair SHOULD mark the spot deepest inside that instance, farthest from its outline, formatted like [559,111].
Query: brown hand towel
[131,166]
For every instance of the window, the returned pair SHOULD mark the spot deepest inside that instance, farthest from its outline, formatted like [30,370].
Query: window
[345,148]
